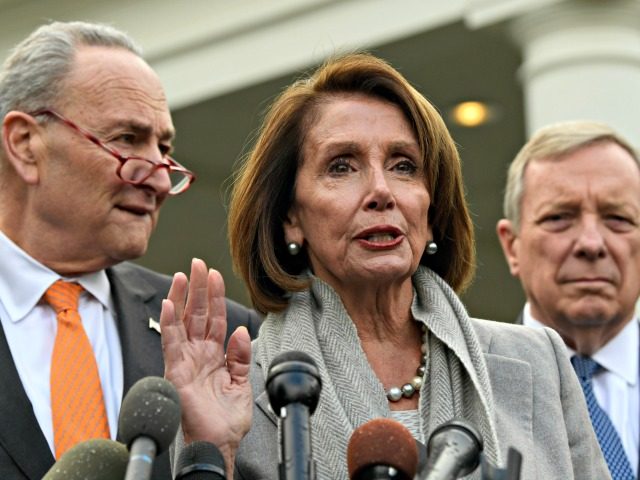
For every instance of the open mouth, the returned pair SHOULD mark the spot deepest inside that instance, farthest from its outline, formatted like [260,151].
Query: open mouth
[380,237]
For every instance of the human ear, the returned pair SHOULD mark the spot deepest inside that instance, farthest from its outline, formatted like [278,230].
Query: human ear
[20,132]
[292,228]
[510,244]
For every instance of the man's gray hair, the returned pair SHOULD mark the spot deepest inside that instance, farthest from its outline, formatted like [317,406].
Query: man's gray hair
[31,76]
[554,142]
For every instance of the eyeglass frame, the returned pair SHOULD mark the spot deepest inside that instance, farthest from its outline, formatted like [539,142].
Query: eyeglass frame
[171,165]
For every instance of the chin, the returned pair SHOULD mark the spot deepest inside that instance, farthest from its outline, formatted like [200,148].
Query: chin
[388,273]
[130,251]
[593,315]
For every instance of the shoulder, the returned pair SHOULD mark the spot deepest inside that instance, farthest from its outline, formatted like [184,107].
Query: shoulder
[239,315]
[514,340]
[523,359]
[128,276]
[129,270]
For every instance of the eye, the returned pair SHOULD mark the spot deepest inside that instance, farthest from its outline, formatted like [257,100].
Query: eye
[340,165]
[620,223]
[124,139]
[406,166]
[556,221]
[165,149]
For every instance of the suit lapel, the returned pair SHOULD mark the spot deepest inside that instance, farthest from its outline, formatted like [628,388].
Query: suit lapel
[136,301]
[258,385]
[262,402]
[34,457]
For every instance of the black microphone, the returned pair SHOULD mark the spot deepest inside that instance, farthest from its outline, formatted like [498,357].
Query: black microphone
[453,451]
[149,420]
[98,459]
[200,461]
[382,449]
[293,385]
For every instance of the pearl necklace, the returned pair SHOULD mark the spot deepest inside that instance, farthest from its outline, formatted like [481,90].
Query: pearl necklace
[407,390]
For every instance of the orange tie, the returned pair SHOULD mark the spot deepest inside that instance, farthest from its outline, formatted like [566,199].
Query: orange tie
[77,404]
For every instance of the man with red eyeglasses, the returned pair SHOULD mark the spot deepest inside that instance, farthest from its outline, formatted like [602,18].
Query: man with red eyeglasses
[85,166]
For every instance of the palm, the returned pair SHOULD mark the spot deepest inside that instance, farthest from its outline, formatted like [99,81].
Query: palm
[214,390]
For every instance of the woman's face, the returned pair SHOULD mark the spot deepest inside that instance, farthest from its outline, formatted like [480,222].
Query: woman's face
[360,206]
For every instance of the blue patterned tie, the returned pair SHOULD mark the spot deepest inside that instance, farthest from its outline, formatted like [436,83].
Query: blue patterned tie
[608,438]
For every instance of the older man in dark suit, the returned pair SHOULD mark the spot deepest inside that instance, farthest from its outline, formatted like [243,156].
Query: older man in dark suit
[84,167]
[572,236]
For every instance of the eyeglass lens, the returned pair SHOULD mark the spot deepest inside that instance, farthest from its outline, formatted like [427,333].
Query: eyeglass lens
[136,170]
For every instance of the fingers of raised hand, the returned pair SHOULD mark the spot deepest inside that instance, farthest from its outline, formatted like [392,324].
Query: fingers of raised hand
[196,311]
[239,355]
[178,294]
[173,336]
[217,327]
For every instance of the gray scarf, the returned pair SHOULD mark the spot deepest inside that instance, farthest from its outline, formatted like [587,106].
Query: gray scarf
[456,383]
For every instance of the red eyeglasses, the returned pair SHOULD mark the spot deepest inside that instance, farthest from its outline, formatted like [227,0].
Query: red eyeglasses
[132,169]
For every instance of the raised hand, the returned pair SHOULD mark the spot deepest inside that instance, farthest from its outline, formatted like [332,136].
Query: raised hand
[214,389]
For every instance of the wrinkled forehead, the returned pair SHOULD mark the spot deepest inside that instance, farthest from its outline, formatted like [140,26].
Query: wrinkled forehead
[103,80]
[603,173]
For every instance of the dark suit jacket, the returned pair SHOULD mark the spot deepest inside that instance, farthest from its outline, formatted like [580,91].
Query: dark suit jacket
[137,295]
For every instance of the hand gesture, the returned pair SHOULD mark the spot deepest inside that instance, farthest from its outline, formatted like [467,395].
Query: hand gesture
[214,389]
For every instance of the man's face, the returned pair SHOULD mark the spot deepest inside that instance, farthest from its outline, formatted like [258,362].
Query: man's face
[577,252]
[99,219]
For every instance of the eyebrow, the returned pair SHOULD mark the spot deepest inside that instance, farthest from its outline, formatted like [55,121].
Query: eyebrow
[142,129]
[610,206]
[348,146]
[576,204]
[354,146]
[402,144]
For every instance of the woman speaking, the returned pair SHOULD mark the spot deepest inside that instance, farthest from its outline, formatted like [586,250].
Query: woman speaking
[348,224]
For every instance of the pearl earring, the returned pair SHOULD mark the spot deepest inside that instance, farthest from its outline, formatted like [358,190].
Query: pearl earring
[432,248]
[293,248]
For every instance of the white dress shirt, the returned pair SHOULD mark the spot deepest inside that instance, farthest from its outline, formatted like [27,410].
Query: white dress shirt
[616,387]
[30,326]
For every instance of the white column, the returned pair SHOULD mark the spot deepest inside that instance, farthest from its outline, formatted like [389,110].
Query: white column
[581,60]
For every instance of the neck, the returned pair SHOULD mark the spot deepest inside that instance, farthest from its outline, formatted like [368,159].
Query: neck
[586,342]
[379,312]
[53,253]
[584,335]
[389,336]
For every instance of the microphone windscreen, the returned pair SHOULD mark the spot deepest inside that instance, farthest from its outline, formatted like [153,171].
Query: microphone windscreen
[151,408]
[292,356]
[382,441]
[293,377]
[200,460]
[98,459]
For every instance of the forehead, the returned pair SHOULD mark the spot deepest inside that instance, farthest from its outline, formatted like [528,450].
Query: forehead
[603,172]
[353,111]
[114,82]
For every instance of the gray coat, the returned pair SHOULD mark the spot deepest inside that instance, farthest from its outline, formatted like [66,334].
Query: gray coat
[539,409]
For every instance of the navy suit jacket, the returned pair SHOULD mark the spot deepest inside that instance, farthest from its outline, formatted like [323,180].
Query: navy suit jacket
[137,294]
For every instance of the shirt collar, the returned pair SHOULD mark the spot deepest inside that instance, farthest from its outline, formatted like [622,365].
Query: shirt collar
[620,355]
[24,280]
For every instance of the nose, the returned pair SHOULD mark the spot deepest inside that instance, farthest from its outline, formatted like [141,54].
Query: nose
[590,243]
[380,195]
[159,181]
